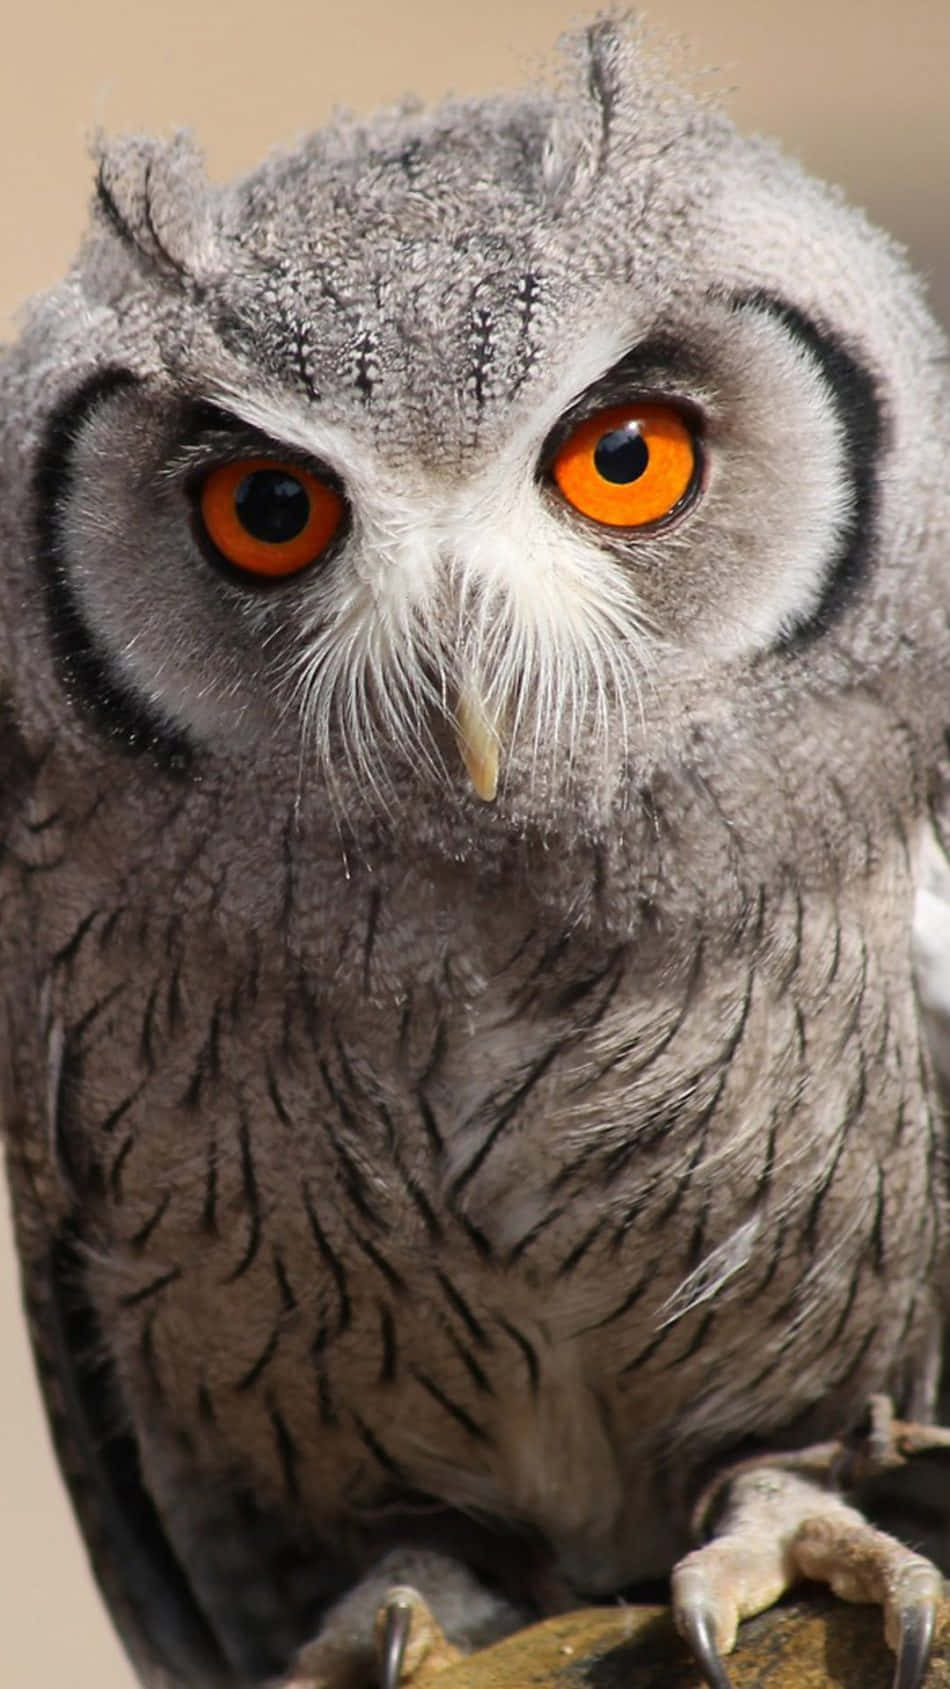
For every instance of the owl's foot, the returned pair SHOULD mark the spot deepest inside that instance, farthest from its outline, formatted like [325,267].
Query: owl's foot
[778,1526]
[384,1634]
[408,1634]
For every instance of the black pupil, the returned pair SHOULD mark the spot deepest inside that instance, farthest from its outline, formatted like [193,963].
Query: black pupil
[622,455]
[272,505]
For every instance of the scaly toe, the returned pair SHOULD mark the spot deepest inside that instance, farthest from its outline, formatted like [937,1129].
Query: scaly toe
[863,1564]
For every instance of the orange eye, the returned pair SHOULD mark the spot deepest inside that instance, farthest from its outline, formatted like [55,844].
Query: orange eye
[629,465]
[268,517]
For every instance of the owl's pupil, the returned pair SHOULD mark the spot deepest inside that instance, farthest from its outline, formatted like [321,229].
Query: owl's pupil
[273,506]
[622,455]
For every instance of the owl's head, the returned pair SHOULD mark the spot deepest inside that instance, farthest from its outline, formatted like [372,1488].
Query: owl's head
[476,452]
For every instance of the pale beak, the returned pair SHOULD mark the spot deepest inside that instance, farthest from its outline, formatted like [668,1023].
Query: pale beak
[479,740]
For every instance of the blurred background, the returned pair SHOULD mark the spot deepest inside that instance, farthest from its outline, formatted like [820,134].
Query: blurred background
[860,89]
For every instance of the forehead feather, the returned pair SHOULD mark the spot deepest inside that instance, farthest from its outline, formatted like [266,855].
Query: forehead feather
[546,163]
[449,237]
[464,245]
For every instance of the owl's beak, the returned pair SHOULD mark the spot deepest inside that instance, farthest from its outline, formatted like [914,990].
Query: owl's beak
[479,741]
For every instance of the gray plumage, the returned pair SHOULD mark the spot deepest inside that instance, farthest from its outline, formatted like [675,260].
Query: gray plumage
[395,1172]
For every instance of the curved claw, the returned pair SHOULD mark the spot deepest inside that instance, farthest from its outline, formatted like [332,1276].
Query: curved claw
[397,1625]
[699,1632]
[915,1642]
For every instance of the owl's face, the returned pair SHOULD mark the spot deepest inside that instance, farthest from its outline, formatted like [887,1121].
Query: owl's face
[468,453]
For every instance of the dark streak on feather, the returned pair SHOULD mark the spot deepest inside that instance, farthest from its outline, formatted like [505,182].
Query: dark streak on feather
[453,1408]
[251,1202]
[527,1349]
[254,1372]
[330,1260]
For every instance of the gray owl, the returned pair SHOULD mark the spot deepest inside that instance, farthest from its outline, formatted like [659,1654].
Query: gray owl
[473,671]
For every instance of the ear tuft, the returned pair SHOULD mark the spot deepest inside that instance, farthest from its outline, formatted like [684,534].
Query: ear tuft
[606,77]
[154,196]
[619,95]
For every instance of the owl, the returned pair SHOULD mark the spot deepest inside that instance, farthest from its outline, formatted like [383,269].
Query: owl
[475,630]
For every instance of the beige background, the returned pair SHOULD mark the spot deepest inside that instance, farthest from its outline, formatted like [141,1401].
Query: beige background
[860,90]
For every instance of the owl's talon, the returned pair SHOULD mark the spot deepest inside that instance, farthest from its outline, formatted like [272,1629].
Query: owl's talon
[916,1633]
[408,1634]
[698,1630]
[397,1623]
